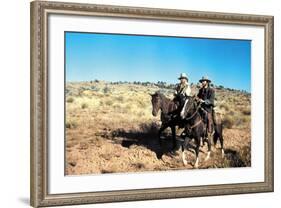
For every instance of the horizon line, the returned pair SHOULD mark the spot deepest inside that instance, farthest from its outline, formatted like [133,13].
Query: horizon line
[168,83]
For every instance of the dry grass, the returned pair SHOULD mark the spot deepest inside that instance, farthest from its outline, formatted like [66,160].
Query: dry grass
[110,128]
[84,105]
[70,100]
[70,124]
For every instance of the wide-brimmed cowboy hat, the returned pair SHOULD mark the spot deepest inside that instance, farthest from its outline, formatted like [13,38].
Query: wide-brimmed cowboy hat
[183,76]
[204,78]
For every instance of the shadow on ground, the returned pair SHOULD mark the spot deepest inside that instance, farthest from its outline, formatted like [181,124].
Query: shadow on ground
[235,159]
[147,136]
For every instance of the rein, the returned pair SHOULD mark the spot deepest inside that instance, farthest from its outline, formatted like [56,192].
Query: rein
[190,117]
[196,124]
[162,108]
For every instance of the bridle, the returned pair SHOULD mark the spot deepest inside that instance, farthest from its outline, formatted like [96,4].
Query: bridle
[160,106]
[196,124]
[190,117]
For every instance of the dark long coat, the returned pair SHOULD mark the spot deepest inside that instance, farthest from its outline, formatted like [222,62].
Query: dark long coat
[208,95]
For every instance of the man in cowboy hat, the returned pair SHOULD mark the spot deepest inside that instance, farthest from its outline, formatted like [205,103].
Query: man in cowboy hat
[182,89]
[181,92]
[206,97]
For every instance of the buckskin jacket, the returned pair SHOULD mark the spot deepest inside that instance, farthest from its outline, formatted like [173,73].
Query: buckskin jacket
[182,90]
[208,95]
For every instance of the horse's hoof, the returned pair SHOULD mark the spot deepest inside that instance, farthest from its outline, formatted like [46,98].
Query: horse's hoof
[208,156]
[222,153]
[196,163]
[184,159]
[185,162]
[159,155]
[173,153]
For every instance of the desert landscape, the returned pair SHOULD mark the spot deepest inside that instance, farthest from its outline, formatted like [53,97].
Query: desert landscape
[110,129]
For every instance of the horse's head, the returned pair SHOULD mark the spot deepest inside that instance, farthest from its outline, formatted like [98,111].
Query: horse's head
[156,103]
[188,107]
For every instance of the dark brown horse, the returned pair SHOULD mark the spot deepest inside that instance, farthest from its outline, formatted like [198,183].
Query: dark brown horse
[195,128]
[168,109]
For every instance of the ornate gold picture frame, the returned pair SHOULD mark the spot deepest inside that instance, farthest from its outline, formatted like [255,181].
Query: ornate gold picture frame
[40,85]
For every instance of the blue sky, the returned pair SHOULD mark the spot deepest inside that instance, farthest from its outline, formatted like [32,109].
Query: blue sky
[114,57]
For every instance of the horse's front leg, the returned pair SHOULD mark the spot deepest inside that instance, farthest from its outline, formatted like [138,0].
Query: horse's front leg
[162,128]
[201,141]
[222,148]
[197,152]
[209,149]
[173,128]
[159,135]
[177,142]
[184,149]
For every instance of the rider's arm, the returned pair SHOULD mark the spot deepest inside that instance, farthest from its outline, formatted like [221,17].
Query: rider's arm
[198,96]
[211,98]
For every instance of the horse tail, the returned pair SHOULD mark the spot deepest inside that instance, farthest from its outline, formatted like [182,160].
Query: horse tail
[218,135]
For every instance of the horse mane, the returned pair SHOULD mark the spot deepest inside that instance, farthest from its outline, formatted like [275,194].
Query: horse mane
[162,96]
[195,103]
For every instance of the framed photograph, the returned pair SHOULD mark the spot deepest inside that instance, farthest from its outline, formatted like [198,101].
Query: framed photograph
[142,103]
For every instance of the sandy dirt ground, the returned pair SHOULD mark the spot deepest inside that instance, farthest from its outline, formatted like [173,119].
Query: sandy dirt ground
[110,129]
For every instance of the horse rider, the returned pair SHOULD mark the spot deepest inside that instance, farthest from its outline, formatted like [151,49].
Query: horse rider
[182,90]
[206,96]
